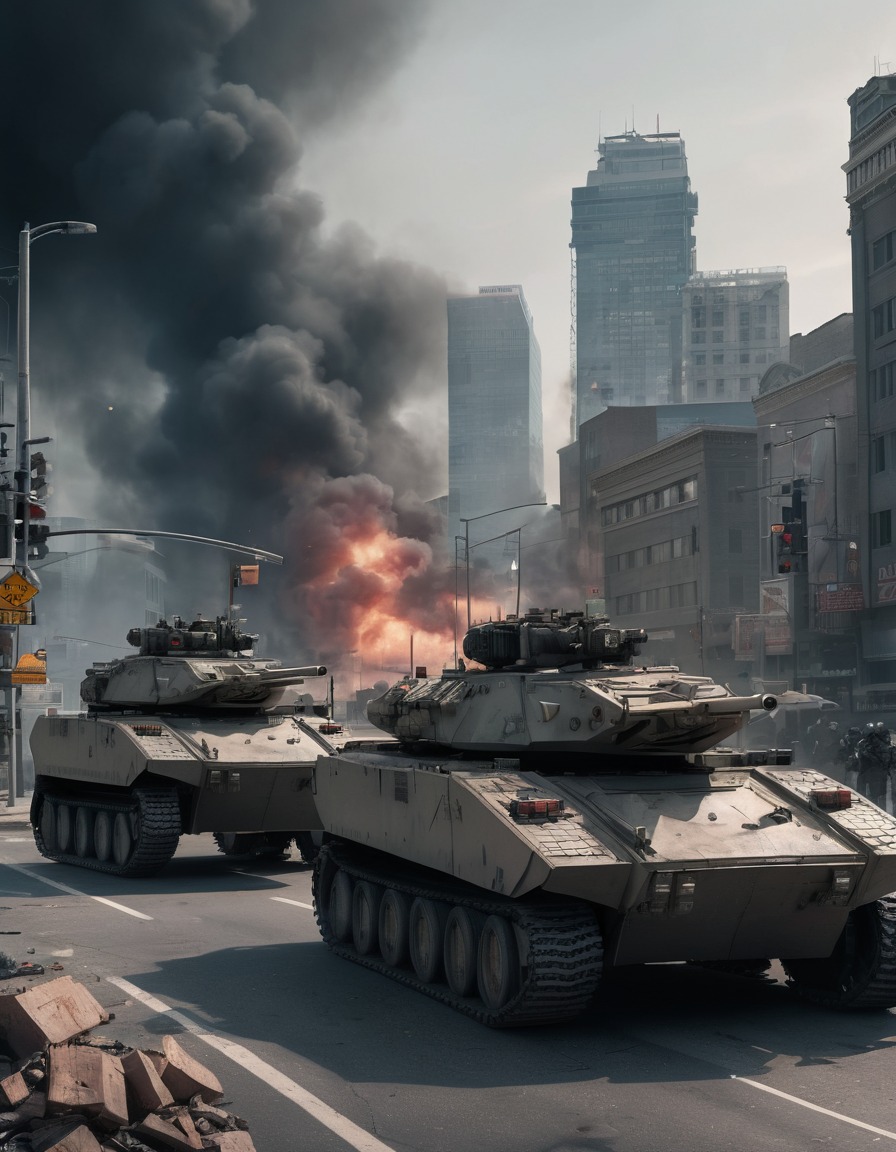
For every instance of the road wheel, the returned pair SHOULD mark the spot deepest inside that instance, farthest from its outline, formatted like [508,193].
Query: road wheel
[395,908]
[340,906]
[83,831]
[122,838]
[48,825]
[461,950]
[63,828]
[102,835]
[861,971]
[365,916]
[498,963]
[426,936]
[308,844]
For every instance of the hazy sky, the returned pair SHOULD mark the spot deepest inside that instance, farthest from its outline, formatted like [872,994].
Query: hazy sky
[465,159]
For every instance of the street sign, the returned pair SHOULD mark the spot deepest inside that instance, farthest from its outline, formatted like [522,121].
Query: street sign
[16,615]
[15,591]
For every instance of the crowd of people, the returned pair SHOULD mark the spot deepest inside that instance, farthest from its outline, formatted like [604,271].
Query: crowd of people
[865,756]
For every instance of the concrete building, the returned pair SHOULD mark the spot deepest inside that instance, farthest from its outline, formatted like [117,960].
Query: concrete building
[678,541]
[734,324]
[871,195]
[633,251]
[495,443]
[811,508]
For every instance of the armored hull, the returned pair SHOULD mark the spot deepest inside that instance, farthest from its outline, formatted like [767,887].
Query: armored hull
[507,881]
[197,739]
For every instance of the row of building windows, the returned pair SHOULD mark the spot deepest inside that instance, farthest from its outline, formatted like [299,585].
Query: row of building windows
[653,553]
[882,380]
[883,317]
[679,493]
[656,599]
[744,385]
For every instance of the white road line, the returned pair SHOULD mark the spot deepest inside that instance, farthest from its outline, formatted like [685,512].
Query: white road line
[74,891]
[338,1124]
[816,1108]
[297,903]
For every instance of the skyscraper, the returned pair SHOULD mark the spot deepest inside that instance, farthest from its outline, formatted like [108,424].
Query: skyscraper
[495,448]
[735,324]
[633,245]
[871,195]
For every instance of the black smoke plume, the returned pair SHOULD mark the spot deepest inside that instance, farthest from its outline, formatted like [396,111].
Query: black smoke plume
[228,368]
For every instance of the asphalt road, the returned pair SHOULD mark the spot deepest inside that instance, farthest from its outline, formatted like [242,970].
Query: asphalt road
[318,1054]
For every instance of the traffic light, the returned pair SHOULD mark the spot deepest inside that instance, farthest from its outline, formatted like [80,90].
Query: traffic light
[38,535]
[33,511]
[784,537]
[39,485]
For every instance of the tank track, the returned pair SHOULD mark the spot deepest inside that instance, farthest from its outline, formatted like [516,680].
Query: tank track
[861,973]
[560,974]
[154,812]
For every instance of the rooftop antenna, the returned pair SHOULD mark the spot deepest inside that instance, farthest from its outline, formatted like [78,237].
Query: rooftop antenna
[657,123]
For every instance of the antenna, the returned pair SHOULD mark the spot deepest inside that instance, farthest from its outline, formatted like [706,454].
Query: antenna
[657,123]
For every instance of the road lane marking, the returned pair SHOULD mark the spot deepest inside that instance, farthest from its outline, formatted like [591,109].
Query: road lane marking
[74,891]
[340,1125]
[297,903]
[816,1107]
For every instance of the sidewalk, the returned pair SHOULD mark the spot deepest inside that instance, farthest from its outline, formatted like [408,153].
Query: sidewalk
[16,817]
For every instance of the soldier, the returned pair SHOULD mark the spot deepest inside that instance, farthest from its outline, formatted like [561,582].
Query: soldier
[813,732]
[875,756]
[827,745]
[848,757]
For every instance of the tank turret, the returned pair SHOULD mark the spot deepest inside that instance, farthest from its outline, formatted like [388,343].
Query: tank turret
[205,664]
[562,684]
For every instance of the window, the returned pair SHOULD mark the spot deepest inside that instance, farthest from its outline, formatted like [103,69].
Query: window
[745,383]
[745,357]
[720,387]
[700,358]
[882,379]
[878,454]
[718,357]
[701,387]
[718,337]
[883,251]
[698,317]
[718,317]
[883,318]
[881,529]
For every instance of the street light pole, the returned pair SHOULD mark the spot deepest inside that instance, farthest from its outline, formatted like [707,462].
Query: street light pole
[23,394]
[468,520]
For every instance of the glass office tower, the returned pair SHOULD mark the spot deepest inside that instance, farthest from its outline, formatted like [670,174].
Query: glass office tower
[495,448]
[632,237]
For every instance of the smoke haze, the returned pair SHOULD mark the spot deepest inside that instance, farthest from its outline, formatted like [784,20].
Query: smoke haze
[228,367]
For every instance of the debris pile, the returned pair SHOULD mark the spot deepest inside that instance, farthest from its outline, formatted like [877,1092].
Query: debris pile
[64,1091]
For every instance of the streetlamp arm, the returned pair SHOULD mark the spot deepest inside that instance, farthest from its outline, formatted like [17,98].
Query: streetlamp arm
[245,549]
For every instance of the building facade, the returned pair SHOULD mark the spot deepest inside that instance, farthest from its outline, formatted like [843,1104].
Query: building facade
[734,324]
[871,195]
[678,542]
[495,442]
[633,251]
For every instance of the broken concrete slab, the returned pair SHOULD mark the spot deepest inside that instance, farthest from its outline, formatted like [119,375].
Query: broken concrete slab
[169,1135]
[185,1077]
[144,1082]
[49,1013]
[13,1090]
[75,1136]
[230,1142]
[85,1079]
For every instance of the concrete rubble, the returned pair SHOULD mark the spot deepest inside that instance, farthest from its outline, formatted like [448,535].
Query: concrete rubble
[64,1090]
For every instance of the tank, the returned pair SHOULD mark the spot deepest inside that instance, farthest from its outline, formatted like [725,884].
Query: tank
[190,735]
[558,812]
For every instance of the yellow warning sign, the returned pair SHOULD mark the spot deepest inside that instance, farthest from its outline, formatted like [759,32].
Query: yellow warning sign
[15,590]
[31,669]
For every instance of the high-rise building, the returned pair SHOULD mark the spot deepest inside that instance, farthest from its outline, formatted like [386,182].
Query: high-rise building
[633,250]
[495,445]
[871,195]
[734,324]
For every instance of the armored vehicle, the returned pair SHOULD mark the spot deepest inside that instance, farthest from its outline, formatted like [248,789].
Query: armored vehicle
[559,812]
[191,735]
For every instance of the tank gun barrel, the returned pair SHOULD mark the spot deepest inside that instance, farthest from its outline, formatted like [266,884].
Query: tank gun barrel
[290,675]
[713,706]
